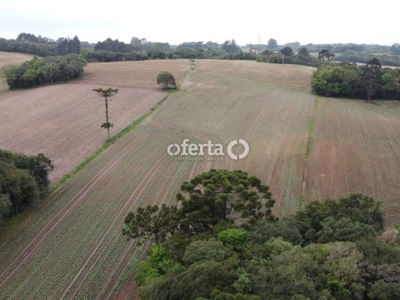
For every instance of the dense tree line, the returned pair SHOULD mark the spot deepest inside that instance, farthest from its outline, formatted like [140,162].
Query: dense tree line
[48,70]
[23,181]
[350,47]
[29,37]
[362,82]
[66,46]
[361,57]
[113,46]
[23,46]
[41,46]
[187,53]
[223,242]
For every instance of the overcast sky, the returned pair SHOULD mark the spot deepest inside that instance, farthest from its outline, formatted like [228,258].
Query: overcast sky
[176,21]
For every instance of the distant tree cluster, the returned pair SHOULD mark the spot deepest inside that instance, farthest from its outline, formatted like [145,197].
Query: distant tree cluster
[231,46]
[361,57]
[23,181]
[29,37]
[350,47]
[352,81]
[286,55]
[23,46]
[107,56]
[66,46]
[49,70]
[41,46]
[113,46]
[141,49]
[395,48]
[224,243]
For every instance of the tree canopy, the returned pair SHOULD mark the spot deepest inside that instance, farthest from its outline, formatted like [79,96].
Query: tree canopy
[272,44]
[23,181]
[106,93]
[362,82]
[166,80]
[49,70]
[327,250]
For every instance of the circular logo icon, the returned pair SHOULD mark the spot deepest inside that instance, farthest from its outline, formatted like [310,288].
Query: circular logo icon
[170,147]
[237,142]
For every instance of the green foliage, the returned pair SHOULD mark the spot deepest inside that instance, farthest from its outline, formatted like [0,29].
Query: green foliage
[259,261]
[372,78]
[5,208]
[382,290]
[222,195]
[166,79]
[287,51]
[66,46]
[45,71]
[218,295]
[287,56]
[198,280]
[342,271]
[156,265]
[287,275]
[356,207]
[231,47]
[325,55]
[23,181]
[149,222]
[277,246]
[262,231]
[387,59]
[345,230]
[233,237]
[206,250]
[272,44]
[351,81]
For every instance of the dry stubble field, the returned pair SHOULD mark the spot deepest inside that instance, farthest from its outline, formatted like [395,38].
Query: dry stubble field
[63,121]
[72,248]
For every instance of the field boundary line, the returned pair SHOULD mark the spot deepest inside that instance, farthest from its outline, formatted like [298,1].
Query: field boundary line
[310,144]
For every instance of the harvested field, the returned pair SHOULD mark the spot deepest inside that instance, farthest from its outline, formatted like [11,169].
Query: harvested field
[71,247]
[276,74]
[356,149]
[63,121]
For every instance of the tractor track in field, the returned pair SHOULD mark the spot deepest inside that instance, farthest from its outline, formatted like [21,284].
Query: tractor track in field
[260,116]
[235,109]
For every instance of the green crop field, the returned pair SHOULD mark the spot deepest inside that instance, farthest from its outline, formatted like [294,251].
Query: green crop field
[301,145]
